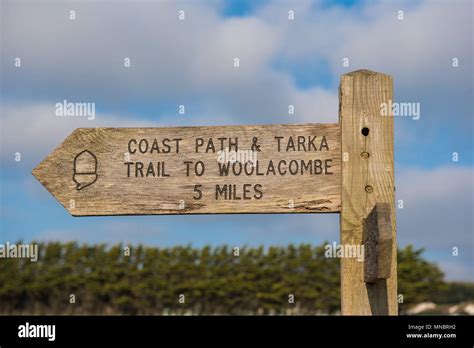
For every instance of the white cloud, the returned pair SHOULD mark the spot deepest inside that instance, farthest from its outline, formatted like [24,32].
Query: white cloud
[372,36]
[173,62]
[34,130]
[417,51]
[191,62]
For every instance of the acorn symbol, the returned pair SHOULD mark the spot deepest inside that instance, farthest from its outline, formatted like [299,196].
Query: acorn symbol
[85,169]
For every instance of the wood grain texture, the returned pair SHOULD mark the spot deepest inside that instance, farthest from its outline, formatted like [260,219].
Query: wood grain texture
[367,179]
[113,192]
[377,239]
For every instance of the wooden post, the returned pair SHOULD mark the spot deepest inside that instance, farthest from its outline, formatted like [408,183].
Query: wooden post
[367,179]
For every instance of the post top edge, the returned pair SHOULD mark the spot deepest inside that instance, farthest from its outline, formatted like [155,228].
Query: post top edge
[365,72]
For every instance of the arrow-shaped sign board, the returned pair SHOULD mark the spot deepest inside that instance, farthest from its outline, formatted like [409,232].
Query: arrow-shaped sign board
[196,170]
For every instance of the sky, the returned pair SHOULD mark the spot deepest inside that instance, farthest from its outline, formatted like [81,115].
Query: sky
[190,62]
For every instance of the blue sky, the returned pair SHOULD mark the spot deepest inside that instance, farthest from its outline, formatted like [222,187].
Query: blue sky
[283,62]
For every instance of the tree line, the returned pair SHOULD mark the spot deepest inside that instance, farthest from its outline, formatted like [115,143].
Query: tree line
[141,280]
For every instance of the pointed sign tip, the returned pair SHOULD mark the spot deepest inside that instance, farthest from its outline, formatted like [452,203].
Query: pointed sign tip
[35,173]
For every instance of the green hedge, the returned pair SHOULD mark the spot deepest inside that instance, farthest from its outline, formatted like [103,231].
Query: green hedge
[213,280]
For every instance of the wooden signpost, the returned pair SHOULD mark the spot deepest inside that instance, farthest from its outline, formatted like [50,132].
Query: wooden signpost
[344,168]
[196,170]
